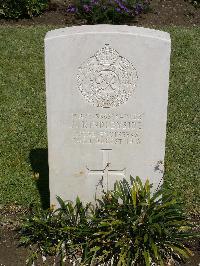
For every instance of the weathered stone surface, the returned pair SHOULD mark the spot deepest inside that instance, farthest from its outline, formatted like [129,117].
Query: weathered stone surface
[107,91]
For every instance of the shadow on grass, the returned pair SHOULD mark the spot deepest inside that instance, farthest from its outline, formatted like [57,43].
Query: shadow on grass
[39,163]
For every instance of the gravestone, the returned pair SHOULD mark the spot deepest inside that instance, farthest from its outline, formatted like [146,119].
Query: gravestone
[107,91]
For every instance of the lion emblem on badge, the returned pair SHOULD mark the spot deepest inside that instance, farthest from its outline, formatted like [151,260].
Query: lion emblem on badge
[106,79]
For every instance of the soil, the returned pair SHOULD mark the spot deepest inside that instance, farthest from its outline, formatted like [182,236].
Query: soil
[162,13]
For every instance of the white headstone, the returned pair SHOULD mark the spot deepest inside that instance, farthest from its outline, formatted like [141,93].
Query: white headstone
[107,93]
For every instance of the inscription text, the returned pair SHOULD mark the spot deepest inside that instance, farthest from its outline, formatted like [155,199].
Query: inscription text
[89,128]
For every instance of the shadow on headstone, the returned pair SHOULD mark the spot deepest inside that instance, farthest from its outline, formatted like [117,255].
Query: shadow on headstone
[39,164]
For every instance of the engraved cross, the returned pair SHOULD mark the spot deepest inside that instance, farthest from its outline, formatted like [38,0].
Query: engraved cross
[106,170]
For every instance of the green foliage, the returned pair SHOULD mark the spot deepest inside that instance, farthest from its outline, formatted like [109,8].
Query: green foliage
[107,11]
[127,226]
[15,9]
[56,233]
[134,227]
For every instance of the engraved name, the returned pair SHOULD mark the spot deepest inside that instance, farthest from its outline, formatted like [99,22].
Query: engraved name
[111,128]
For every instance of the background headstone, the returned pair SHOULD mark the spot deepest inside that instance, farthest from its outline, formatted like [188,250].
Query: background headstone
[107,91]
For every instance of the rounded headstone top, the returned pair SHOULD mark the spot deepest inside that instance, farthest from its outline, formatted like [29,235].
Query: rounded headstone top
[103,28]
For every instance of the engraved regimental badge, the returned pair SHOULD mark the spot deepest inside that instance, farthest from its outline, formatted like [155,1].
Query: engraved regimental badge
[106,79]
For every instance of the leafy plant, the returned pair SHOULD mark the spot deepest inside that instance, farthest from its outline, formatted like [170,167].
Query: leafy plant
[15,9]
[128,226]
[107,11]
[133,227]
[56,233]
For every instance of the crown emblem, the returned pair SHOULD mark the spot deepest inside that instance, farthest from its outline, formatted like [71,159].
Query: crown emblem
[106,56]
[106,79]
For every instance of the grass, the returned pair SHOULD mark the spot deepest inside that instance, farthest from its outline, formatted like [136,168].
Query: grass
[23,138]
[183,129]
